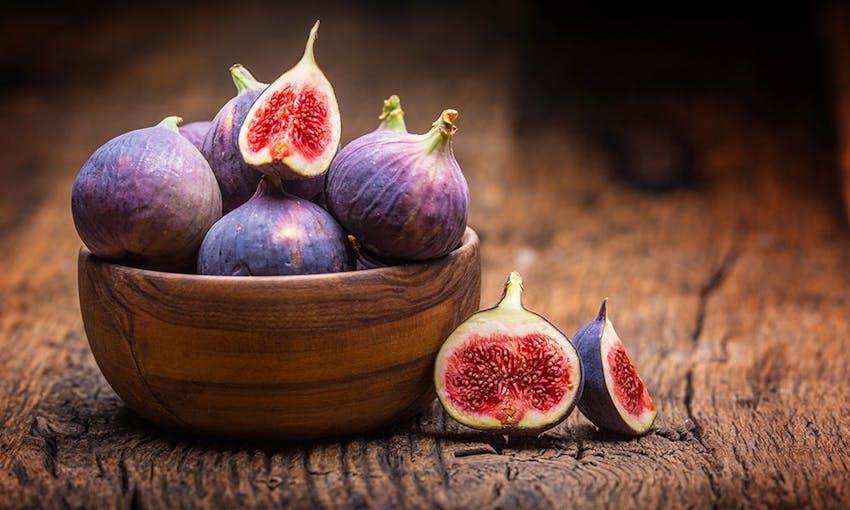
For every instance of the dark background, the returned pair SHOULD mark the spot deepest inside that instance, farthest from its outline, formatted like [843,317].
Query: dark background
[617,79]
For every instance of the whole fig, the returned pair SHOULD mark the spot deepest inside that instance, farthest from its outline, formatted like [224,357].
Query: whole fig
[237,179]
[146,198]
[195,132]
[275,233]
[403,196]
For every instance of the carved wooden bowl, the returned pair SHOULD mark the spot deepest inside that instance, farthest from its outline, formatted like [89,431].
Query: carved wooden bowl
[286,357]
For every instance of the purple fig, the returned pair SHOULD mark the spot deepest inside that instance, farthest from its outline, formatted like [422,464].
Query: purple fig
[365,260]
[614,398]
[195,132]
[403,196]
[146,198]
[237,179]
[275,233]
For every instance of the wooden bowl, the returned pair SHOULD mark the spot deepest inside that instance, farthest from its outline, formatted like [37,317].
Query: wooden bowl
[286,357]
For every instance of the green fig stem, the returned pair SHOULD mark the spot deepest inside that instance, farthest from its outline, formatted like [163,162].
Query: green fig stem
[244,80]
[513,292]
[309,56]
[392,118]
[441,131]
[270,184]
[171,123]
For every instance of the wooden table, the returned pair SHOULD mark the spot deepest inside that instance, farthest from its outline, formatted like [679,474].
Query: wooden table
[727,282]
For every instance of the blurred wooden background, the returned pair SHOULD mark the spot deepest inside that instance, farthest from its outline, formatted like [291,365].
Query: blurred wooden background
[682,163]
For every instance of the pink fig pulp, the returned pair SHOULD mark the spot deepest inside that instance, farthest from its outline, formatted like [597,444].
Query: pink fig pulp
[508,369]
[293,128]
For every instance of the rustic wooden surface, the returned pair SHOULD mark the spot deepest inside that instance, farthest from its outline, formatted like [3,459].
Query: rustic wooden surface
[730,291]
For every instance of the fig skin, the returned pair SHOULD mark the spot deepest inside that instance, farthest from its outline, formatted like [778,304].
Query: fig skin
[195,132]
[504,324]
[403,196]
[275,233]
[597,403]
[146,198]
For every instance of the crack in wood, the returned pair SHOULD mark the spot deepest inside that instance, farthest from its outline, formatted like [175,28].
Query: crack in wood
[711,285]
[41,427]
[698,431]
[469,451]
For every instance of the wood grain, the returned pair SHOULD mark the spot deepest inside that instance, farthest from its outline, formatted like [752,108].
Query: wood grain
[730,295]
[276,357]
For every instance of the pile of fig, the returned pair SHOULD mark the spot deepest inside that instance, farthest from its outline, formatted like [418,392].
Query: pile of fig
[510,370]
[263,189]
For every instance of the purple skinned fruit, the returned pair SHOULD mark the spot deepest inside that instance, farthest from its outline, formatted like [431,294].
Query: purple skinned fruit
[615,398]
[195,132]
[237,179]
[146,198]
[275,233]
[365,260]
[403,196]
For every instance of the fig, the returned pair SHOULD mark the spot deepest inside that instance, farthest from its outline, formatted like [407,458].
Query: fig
[403,196]
[195,132]
[292,130]
[364,260]
[146,198]
[615,398]
[238,180]
[508,369]
[275,233]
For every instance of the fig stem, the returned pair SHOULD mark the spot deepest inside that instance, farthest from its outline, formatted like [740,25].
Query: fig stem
[309,56]
[441,131]
[171,123]
[244,80]
[603,311]
[512,297]
[392,117]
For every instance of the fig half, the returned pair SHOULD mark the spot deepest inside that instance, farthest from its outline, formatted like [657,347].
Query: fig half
[614,398]
[293,128]
[508,369]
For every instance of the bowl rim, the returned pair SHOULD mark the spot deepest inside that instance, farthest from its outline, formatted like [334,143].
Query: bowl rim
[469,242]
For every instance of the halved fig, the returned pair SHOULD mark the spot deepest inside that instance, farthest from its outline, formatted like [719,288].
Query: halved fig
[614,398]
[293,128]
[508,369]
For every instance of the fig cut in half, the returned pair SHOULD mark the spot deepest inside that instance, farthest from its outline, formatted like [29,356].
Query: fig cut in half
[614,398]
[293,128]
[508,369]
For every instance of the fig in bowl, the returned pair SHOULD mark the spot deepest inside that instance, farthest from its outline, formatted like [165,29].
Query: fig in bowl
[284,357]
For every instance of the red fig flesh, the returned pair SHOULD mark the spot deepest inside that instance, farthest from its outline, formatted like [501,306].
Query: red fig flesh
[508,369]
[292,130]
